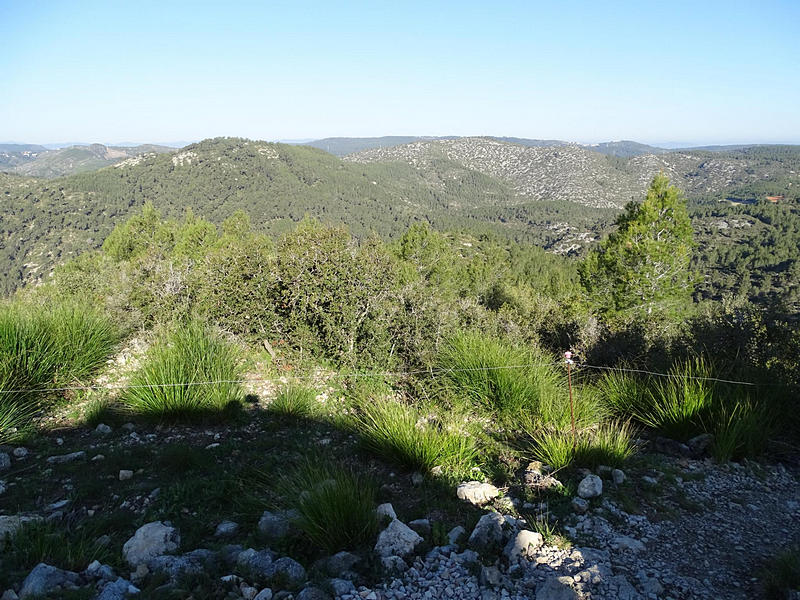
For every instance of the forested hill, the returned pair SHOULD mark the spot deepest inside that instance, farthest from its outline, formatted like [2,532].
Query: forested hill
[561,198]
[276,184]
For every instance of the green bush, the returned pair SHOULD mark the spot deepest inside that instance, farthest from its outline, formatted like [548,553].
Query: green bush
[335,506]
[609,443]
[295,401]
[407,437]
[189,371]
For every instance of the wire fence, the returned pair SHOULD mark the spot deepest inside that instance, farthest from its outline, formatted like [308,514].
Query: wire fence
[431,372]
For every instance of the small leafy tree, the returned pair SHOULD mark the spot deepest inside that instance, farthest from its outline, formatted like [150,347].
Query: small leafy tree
[644,265]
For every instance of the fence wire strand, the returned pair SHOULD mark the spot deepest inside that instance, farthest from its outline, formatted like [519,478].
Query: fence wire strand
[383,374]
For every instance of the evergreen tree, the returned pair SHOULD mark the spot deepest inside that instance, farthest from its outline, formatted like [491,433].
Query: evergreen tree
[644,265]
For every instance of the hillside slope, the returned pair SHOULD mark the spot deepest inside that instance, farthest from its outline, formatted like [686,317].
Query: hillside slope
[573,173]
[276,184]
[71,160]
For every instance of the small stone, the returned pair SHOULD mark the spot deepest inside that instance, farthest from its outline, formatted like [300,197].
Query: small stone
[476,492]
[226,529]
[556,588]
[488,533]
[129,426]
[248,593]
[386,510]
[20,452]
[579,505]
[265,594]
[625,543]
[57,505]
[274,526]
[150,540]
[102,429]
[417,479]
[9,595]
[590,487]
[398,539]
[700,444]
[98,458]
[421,526]
[618,476]
[125,474]
[523,545]
[44,579]
[66,458]
[456,534]
[650,481]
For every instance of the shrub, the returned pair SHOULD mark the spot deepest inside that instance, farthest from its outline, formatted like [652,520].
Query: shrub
[609,443]
[335,506]
[295,401]
[403,435]
[83,339]
[675,406]
[189,371]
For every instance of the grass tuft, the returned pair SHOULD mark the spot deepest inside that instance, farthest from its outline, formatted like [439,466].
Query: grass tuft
[173,379]
[516,385]
[403,435]
[45,347]
[740,430]
[783,575]
[295,401]
[335,506]
[609,443]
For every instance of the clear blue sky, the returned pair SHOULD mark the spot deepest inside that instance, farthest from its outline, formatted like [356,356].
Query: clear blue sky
[704,71]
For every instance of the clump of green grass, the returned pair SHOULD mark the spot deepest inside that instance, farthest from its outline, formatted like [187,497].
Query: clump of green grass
[514,384]
[740,429]
[65,546]
[623,394]
[675,406]
[295,401]
[335,506]
[610,443]
[43,347]
[405,436]
[782,576]
[189,372]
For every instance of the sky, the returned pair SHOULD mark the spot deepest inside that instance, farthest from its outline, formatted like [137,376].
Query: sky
[677,72]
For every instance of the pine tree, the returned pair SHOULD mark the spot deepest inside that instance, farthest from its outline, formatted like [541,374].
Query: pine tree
[644,265]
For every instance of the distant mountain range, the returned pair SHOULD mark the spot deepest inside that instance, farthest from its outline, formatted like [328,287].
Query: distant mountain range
[342,146]
[561,197]
[38,161]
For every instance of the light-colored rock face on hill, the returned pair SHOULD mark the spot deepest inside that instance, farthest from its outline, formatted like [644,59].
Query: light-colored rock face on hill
[569,172]
[574,173]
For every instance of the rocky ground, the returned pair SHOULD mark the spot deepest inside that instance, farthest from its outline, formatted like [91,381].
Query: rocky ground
[668,527]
